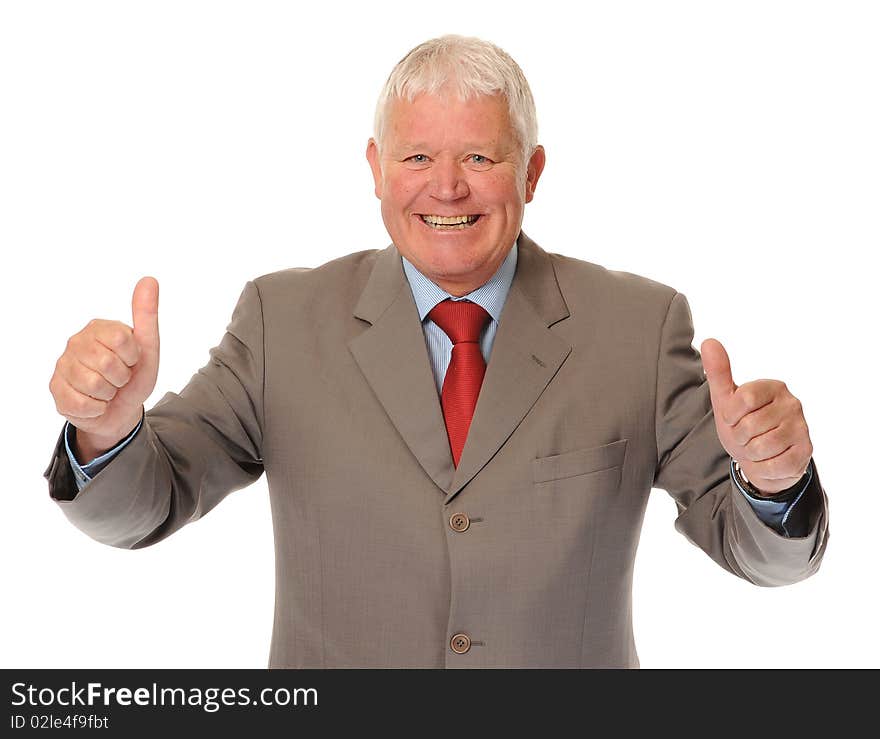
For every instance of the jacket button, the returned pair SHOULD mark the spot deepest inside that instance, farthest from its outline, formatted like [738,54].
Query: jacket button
[460,643]
[459,521]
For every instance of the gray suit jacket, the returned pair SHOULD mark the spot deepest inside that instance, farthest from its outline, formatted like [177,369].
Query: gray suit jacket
[384,550]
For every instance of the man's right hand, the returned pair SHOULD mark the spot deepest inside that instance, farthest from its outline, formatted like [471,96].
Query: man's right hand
[106,373]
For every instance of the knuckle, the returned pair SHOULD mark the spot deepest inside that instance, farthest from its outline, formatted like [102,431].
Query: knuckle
[61,396]
[94,384]
[93,327]
[759,448]
[56,388]
[105,362]
[120,335]
[58,375]
[74,405]
[83,405]
[57,394]
[77,405]
[115,338]
[79,344]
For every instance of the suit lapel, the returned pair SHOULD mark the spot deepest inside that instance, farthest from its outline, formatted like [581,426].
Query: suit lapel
[525,357]
[393,358]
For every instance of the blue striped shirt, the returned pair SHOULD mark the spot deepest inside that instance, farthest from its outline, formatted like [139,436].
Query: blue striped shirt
[491,296]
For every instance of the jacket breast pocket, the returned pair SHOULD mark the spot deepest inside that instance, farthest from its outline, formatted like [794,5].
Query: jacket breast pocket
[603,463]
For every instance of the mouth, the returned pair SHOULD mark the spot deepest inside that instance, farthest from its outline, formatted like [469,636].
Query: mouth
[450,223]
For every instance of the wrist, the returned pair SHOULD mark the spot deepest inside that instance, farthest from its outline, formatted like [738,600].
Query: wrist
[781,495]
[746,484]
[88,446]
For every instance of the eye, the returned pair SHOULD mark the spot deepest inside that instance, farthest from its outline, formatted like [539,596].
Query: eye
[480,160]
[417,158]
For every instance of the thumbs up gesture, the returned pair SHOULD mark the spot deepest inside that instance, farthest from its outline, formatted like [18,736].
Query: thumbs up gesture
[760,424]
[106,373]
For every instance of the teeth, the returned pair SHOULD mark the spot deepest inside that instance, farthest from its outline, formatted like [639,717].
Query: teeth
[450,223]
[449,220]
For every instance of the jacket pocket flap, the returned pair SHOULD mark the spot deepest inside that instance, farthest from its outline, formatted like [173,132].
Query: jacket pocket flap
[579,461]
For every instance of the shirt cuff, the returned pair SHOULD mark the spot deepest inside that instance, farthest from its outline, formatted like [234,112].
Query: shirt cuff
[772,512]
[83,474]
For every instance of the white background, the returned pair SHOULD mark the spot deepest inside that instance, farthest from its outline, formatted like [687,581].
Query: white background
[729,150]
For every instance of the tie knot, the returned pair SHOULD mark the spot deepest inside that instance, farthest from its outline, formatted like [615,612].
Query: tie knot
[461,320]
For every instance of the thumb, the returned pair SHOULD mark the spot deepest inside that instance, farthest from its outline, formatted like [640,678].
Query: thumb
[145,314]
[716,364]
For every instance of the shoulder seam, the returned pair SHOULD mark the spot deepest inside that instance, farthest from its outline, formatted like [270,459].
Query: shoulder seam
[657,377]
[262,368]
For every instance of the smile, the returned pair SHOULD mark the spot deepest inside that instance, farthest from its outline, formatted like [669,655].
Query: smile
[450,223]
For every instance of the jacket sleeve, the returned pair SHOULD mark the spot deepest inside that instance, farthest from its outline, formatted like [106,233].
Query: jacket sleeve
[192,449]
[694,468]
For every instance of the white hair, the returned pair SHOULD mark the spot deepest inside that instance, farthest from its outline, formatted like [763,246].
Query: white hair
[471,67]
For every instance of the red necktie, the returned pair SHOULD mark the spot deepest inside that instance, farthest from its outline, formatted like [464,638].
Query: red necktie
[462,321]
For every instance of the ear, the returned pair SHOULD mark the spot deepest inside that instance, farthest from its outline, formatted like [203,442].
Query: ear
[375,166]
[533,171]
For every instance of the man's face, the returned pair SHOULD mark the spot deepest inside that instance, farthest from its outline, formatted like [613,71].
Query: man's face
[442,158]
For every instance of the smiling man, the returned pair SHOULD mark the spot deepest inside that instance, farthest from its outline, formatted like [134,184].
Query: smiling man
[459,431]
[454,177]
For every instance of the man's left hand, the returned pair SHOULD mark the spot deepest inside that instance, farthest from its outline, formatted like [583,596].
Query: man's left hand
[760,424]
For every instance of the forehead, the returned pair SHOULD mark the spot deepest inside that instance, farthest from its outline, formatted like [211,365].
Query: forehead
[437,118]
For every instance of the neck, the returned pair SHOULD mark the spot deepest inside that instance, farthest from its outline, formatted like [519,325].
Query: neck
[457,289]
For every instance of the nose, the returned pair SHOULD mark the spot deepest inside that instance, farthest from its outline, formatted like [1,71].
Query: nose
[448,181]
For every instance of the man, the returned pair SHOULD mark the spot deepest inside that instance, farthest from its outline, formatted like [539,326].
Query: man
[460,431]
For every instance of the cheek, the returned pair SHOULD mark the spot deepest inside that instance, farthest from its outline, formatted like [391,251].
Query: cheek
[400,193]
[504,191]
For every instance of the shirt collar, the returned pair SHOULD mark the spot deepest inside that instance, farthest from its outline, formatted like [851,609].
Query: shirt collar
[490,296]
